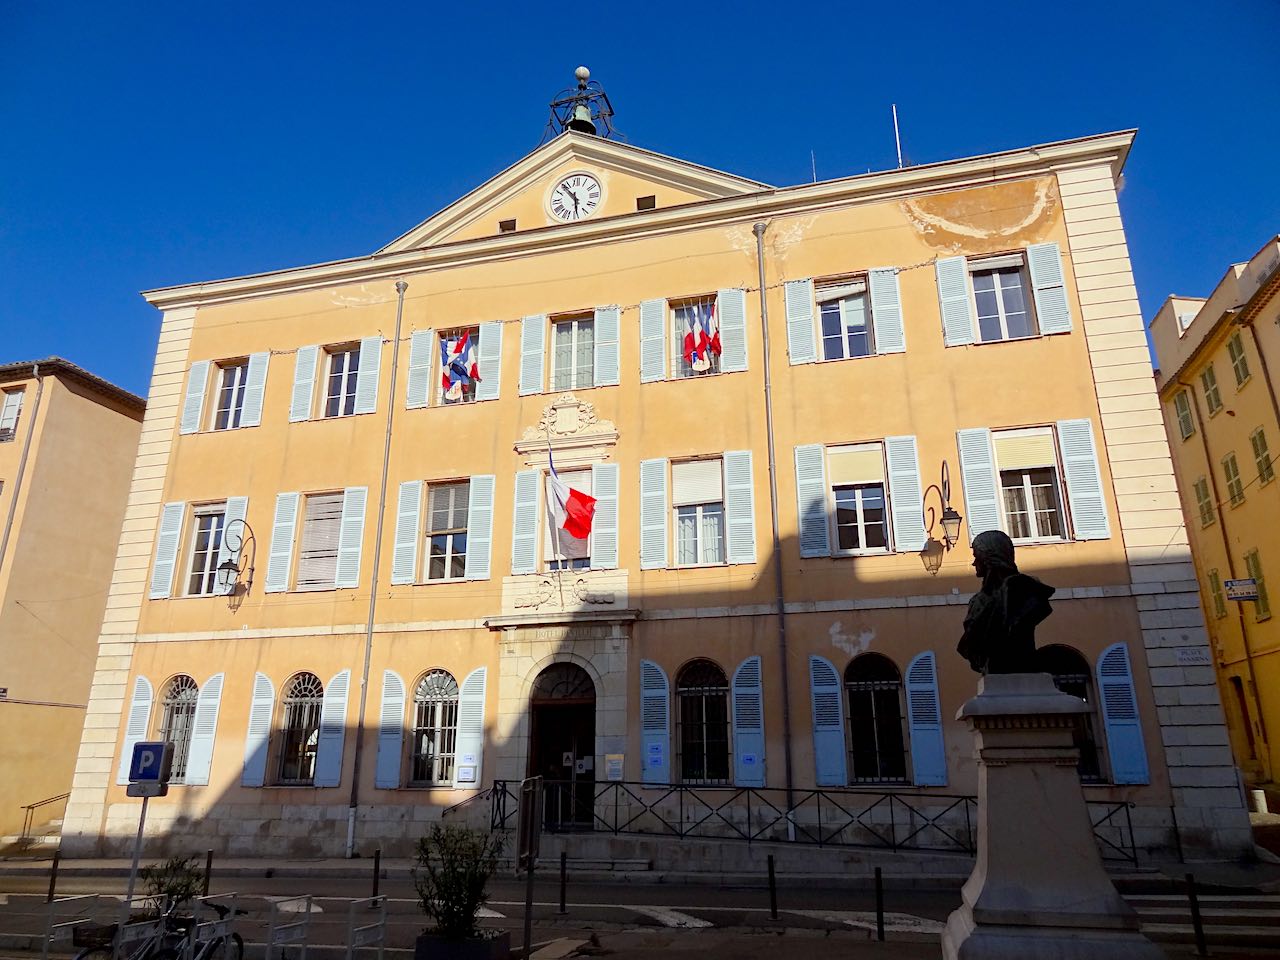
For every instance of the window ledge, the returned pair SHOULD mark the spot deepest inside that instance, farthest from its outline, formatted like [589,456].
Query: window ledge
[1267,481]
[1043,542]
[717,565]
[848,554]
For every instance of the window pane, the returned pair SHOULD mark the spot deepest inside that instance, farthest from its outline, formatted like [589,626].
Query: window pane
[855,321]
[1015,505]
[436,564]
[847,518]
[875,529]
[1044,496]
[459,568]
[712,533]
[586,354]
[1013,285]
[562,355]
[833,342]
[687,535]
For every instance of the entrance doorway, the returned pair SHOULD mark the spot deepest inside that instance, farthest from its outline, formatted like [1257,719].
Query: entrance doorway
[562,744]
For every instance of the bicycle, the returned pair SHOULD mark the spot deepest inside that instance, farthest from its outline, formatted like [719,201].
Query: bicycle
[163,943]
[229,946]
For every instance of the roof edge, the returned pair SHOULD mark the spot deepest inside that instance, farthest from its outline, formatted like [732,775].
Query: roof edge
[26,369]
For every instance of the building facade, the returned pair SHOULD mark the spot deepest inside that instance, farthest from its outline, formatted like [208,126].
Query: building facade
[1218,392]
[754,605]
[68,441]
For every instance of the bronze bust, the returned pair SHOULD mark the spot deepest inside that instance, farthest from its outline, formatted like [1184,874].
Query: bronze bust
[1000,626]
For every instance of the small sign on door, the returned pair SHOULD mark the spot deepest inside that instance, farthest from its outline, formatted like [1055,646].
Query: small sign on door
[613,766]
[566,759]
[1241,589]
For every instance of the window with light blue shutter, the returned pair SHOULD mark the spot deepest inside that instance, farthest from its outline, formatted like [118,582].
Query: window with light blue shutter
[978,477]
[924,720]
[280,558]
[232,538]
[828,724]
[606,346]
[479,527]
[304,383]
[367,375]
[421,354]
[193,401]
[604,526]
[255,388]
[739,507]
[811,497]
[653,514]
[489,345]
[333,729]
[748,725]
[168,537]
[533,340]
[258,732]
[655,724]
[351,537]
[404,556]
[906,504]
[204,729]
[137,724]
[1084,480]
[1049,288]
[731,305]
[886,310]
[386,775]
[653,320]
[953,300]
[1125,745]
[524,526]
[802,341]
[468,761]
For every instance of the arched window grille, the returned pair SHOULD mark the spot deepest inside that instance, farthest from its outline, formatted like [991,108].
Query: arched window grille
[177,719]
[435,729]
[702,723]
[877,746]
[1071,674]
[300,728]
[563,681]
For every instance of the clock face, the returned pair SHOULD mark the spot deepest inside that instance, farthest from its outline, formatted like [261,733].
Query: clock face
[575,197]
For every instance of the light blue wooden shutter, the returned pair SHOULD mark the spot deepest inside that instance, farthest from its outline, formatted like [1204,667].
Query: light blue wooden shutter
[828,724]
[490,361]
[137,725]
[167,539]
[739,507]
[304,383]
[905,502]
[367,375]
[802,345]
[422,348]
[748,725]
[204,729]
[978,474]
[606,342]
[524,525]
[469,747]
[255,386]
[235,510]
[653,514]
[479,527]
[386,774]
[655,724]
[732,307]
[886,311]
[533,337]
[333,731]
[193,402]
[604,526]
[653,320]
[811,497]
[953,299]
[1084,480]
[351,537]
[282,530]
[924,718]
[259,732]
[1049,288]
[404,556]
[1120,716]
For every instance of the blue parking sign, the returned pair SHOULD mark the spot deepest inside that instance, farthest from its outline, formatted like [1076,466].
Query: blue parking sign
[151,762]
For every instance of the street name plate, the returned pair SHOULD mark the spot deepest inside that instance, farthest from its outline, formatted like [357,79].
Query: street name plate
[1193,657]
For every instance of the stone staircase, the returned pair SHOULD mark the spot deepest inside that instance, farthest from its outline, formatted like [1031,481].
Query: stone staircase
[42,842]
[1230,919]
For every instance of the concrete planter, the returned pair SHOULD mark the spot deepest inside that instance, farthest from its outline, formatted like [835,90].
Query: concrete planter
[430,946]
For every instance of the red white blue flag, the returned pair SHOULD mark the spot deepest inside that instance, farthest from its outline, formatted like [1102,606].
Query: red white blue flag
[458,366]
[572,509]
[701,335]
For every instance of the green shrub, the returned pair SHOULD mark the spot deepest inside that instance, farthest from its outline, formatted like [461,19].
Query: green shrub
[180,879]
[454,865]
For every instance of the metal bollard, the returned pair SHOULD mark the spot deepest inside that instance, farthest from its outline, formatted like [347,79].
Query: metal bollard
[564,874]
[773,891]
[53,875]
[879,905]
[208,871]
[377,869]
[1197,924]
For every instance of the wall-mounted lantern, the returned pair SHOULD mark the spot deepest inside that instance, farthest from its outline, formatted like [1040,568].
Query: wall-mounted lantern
[949,520]
[237,568]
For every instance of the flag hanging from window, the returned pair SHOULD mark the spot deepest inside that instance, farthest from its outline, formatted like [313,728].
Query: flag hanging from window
[701,335]
[458,366]
[573,509]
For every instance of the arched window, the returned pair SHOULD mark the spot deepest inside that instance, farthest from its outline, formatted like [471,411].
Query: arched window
[877,751]
[435,729]
[702,723]
[1071,675]
[177,717]
[300,728]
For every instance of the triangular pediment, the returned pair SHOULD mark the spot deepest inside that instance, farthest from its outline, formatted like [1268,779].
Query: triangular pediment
[522,192]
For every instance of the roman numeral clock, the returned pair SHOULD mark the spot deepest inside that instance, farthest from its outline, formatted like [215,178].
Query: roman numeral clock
[574,198]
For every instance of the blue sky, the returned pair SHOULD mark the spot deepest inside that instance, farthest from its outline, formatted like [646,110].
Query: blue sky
[148,144]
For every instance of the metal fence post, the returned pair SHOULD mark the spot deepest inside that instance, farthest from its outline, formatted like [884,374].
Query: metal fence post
[377,870]
[208,870]
[879,905]
[53,875]
[773,891]
[1197,924]
[564,871]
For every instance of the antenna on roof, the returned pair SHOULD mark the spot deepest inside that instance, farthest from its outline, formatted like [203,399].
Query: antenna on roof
[813,162]
[584,108]
[896,138]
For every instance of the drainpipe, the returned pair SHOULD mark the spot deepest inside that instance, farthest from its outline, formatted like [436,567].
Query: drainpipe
[401,287]
[759,230]
[1266,373]
[22,464]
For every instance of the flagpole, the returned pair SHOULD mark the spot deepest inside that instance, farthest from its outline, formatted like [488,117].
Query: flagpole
[555,530]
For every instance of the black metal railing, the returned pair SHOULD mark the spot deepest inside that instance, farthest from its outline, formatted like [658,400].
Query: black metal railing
[896,820]
[29,814]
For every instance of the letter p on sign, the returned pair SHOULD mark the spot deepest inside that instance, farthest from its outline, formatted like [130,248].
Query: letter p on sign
[151,762]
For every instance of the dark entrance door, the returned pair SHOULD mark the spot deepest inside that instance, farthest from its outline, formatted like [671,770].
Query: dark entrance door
[563,743]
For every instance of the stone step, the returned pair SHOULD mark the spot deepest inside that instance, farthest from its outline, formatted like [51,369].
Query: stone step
[1230,916]
[1215,936]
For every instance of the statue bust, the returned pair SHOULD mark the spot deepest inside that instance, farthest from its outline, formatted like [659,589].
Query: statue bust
[1000,626]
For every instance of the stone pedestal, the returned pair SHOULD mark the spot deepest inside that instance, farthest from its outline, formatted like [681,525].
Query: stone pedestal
[1038,888]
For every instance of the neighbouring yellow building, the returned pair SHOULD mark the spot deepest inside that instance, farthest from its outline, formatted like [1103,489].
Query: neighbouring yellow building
[341,593]
[68,441]
[1218,390]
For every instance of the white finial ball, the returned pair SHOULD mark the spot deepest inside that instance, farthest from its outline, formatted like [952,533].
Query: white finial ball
[582,73]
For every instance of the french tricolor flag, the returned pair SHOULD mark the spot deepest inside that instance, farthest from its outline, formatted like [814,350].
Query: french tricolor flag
[458,367]
[573,509]
[701,335]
